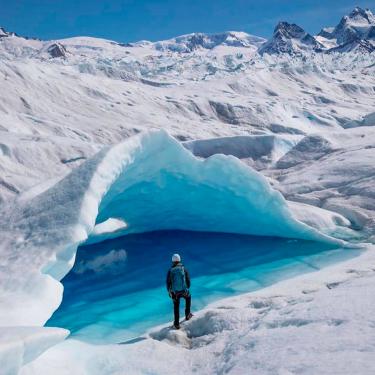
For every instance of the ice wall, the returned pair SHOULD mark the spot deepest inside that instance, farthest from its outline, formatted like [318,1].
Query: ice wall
[257,151]
[151,182]
[21,345]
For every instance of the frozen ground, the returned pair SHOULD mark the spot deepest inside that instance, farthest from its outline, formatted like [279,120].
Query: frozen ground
[301,119]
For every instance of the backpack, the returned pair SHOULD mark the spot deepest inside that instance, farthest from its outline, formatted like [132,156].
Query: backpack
[178,279]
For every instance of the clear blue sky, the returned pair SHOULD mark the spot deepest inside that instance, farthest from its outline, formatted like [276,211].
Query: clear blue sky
[132,20]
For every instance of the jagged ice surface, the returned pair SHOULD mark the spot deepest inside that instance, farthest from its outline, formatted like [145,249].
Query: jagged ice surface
[62,101]
[127,182]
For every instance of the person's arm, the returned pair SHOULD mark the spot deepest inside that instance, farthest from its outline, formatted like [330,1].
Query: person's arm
[187,277]
[169,286]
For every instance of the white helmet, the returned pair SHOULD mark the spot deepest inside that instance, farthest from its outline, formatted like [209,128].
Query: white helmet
[176,258]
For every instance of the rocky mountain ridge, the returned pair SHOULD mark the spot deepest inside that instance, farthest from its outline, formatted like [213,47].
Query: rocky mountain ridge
[354,33]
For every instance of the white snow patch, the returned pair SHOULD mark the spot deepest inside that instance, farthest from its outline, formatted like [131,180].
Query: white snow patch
[21,345]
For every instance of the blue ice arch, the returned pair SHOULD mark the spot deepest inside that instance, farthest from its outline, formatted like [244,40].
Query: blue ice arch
[150,182]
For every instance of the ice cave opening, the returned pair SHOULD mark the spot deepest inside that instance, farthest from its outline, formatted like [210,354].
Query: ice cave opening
[116,289]
[127,209]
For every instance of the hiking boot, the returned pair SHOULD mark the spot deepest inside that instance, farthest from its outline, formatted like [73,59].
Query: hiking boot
[176,326]
[188,317]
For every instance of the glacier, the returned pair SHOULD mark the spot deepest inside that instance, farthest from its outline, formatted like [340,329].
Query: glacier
[298,109]
[151,182]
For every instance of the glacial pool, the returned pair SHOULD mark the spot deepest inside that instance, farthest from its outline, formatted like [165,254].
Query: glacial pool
[116,289]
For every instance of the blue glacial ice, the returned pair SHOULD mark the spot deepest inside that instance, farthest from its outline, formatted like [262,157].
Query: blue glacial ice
[150,182]
[116,289]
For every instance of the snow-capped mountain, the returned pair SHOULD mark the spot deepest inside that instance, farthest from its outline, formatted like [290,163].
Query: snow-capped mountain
[3,33]
[199,41]
[354,32]
[197,86]
[53,50]
[290,39]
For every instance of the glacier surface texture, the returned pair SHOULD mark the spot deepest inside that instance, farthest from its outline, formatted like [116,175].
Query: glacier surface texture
[151,182]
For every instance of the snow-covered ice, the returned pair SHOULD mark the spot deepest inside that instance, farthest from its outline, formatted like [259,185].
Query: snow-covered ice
[126,182]
[258,151]
[334,171]
[297,109]
[21,345]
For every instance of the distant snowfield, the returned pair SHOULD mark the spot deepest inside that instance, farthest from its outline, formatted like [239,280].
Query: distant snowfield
[103,93]
[90,104]
[301,121]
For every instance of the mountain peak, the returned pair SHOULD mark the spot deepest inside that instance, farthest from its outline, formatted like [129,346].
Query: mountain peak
[289,38]
[359,13]
[291,31]
[357,30]
[57,50]
[3,33]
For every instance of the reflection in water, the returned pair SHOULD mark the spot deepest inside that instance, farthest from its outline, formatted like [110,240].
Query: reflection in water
[113,263]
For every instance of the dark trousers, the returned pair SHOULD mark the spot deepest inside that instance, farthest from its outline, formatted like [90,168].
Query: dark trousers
[176,305]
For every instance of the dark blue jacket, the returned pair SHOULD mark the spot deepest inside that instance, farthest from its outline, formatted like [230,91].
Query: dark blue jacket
[169,281]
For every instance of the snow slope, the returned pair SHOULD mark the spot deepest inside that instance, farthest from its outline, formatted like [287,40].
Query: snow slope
[27,160]
[200,42]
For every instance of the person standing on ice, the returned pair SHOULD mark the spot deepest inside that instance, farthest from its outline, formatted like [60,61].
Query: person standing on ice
[178,284]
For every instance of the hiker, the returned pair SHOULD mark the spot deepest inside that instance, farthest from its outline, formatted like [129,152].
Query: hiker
[178,284]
